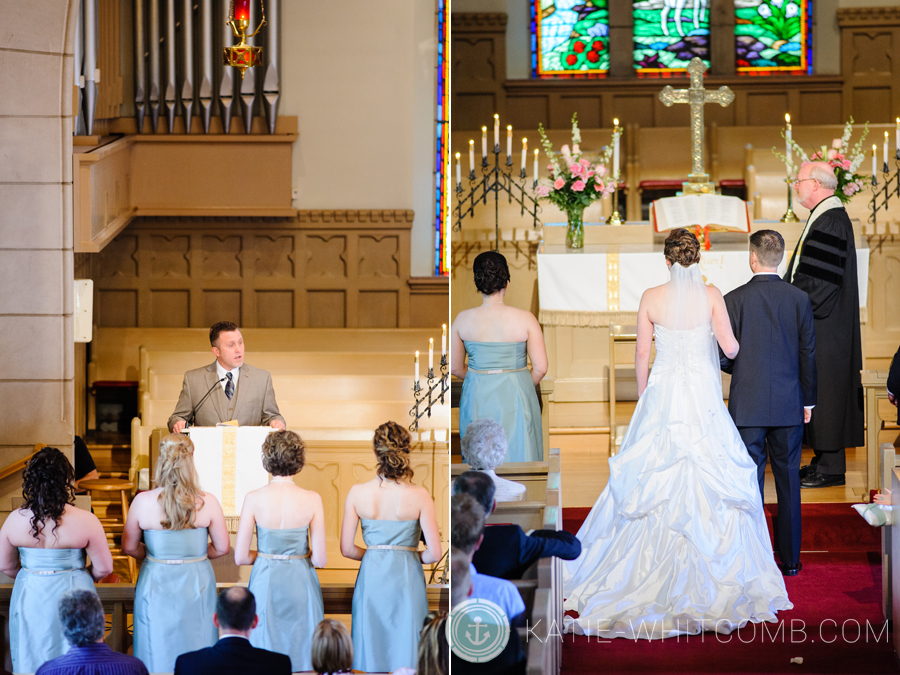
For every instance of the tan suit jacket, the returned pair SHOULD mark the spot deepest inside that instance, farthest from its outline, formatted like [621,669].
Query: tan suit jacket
[253,403]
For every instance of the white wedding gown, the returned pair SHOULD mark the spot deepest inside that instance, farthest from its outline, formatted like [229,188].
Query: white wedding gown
[677,542]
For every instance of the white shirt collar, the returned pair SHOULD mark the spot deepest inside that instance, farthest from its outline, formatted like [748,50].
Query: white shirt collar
[233,635]
[756,274]
[235,374]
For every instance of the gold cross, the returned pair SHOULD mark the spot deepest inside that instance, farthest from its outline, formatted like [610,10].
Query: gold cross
[696,96]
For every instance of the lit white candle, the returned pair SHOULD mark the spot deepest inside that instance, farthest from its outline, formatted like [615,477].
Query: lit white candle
[483,142]
[615,171]
[443,339]
[524,152]
[458,171]
[535,164]
[417,369]
[874,168]
[430,355]
[471,157]
[509,142]
[496,130]
[885,147]
[787,142]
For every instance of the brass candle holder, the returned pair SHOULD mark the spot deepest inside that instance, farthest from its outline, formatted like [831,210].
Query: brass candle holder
[789,215]
[243,56]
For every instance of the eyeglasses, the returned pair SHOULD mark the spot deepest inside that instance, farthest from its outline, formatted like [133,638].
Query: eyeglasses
[796,182]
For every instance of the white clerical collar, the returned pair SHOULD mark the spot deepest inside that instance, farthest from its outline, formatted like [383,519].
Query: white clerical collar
[235,374]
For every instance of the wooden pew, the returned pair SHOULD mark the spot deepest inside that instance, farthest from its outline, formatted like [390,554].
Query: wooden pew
[533,475]
[114,351]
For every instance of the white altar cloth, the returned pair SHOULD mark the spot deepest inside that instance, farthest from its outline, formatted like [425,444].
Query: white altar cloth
[229,463]
[603,279]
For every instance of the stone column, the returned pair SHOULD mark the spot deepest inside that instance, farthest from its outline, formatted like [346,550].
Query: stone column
[36,254]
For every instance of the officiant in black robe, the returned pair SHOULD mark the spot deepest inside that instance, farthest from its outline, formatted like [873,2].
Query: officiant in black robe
[824,265]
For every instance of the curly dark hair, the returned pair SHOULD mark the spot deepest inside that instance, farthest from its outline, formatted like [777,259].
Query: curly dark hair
[682,247]
[47,488]
[491,272]
[391,445]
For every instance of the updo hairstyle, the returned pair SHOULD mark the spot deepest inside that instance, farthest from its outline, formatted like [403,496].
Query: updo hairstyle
[283,453]
[391,445]
[682,247]
[177,476]
[491,272]
[47,488]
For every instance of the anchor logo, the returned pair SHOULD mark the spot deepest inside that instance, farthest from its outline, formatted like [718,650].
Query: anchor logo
[477,625]
[471,630]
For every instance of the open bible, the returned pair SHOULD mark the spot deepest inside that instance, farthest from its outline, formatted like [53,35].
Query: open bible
[713,211]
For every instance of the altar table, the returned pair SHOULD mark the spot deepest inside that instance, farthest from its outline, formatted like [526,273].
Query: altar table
[603,283]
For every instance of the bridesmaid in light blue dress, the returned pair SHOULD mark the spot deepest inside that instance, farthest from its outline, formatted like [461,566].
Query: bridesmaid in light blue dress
[290,533]
[389,601]
[43,545]
[497,384]
[182,528]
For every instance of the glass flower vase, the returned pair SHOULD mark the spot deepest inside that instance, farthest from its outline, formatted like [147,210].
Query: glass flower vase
[575,227]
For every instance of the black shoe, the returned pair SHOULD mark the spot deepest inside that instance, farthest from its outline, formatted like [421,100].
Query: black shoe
[806,470]
[790,570]
[818,480]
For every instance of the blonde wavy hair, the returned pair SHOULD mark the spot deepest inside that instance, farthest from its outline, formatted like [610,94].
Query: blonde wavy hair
[391,444]
[177,476]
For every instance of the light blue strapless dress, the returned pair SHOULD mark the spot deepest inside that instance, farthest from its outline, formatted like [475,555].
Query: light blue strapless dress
[288,597]
[389,601]
[174,603]
[507,398]
[35,633]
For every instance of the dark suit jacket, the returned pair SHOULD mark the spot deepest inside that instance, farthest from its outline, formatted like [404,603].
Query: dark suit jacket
[253,403]
[774,373]
[506,550]
[232,656]
[893,383]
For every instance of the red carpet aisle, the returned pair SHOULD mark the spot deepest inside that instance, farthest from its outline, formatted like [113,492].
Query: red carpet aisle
[837,622]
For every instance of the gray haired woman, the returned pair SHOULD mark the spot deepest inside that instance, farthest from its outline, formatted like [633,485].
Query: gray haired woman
[484,446]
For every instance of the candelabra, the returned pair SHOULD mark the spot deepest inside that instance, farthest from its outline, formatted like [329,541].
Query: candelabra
[789,215]
[881,196]
[431,395]
[494,180]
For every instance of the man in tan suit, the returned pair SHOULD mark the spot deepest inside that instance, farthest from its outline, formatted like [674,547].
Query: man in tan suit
[241,392]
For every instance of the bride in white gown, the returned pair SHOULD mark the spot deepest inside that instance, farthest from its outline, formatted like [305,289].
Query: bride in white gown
[677,542]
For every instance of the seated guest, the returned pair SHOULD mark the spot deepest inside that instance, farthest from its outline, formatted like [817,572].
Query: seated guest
[484,447]
[43,546]
[170,529]
[83,624]
[290,534]
[505,550]
[499,340]
[85,469]
[434,650]
[389,601]
[511,661]
[233,654]
[332,648]
[466,533]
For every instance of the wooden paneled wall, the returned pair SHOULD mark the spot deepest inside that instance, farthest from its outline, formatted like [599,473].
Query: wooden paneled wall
[870,62]
[869,88]
[322,269]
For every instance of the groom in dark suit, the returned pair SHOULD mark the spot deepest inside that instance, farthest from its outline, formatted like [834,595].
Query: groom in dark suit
[773,381]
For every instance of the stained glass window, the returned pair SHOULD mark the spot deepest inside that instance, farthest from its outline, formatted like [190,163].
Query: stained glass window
[668,34]
[442,146]
[569,38]
[773,36]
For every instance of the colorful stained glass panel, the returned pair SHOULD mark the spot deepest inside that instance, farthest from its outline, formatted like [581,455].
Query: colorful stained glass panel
[773,36]
[570,38]
[669,33]
[442,146]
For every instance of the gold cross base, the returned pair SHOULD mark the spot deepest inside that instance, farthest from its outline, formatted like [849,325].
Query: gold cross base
[698,185]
